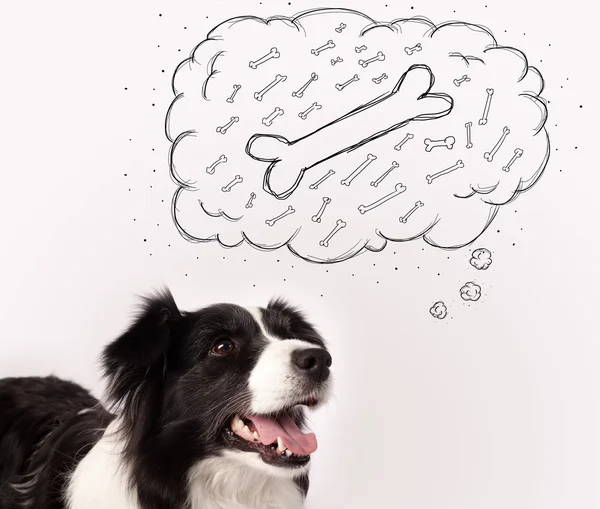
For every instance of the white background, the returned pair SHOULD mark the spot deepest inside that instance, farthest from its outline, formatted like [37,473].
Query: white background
[497,406]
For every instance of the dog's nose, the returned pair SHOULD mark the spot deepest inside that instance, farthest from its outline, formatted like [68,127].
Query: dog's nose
[313,362]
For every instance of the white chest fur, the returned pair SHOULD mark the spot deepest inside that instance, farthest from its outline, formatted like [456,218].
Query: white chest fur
[226,483]
[100,481]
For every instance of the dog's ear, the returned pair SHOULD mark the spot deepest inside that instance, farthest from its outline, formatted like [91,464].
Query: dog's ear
[140,353]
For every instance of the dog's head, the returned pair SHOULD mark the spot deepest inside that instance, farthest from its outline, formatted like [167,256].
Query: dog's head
[222,380]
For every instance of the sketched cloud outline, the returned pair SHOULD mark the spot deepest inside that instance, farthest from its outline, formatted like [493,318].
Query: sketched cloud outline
[309,239]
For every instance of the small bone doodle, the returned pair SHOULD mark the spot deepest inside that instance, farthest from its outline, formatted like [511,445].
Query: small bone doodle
[489,156]
[414,49]
[231,98]
[431,178]
[399,189]
[271,222]
[340,29]
[336,60]
[234,182]
[278,79]
[316,184]
[268,121]
[250,203]
[379,79]
[468,126]
[274,53]
[224,128]
[405,217]
[518,153]
[211,169]
[328,45]
[348,180]
[488,103]
[360,49]
[447,142]
[342,86]
[460,81]
[300,92]
[317,217]
[375,183]
[338,226]
[304,114]
[380,57]
[408,136]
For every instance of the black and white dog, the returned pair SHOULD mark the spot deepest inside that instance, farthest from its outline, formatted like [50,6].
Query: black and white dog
[208,415]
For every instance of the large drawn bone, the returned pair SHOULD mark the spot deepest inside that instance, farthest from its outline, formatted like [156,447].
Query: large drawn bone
[272,54]
[410,100]
[398,190]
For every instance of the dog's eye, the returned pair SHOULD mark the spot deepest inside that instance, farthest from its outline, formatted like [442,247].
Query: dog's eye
[223,347]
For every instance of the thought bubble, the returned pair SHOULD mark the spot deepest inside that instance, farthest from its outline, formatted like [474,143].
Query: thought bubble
[333,134]
[481,258]
[439,310]
[470,291]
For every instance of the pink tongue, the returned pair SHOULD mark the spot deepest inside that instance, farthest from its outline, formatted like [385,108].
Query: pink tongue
[296,441]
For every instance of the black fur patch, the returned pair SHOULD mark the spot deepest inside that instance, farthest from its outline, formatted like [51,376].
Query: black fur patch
[174,396]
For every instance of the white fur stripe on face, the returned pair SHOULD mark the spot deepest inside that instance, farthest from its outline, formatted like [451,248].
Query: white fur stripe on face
[274,382]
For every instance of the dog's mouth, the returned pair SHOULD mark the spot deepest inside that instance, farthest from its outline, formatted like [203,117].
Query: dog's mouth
[277,439]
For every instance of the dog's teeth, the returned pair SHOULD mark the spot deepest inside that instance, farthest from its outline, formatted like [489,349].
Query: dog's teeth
[256,436]
[280,445]
[288,453]
[237,423]
[247,431]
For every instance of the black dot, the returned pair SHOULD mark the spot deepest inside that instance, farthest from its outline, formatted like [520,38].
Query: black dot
[145,240]
[160,15]
[126,88]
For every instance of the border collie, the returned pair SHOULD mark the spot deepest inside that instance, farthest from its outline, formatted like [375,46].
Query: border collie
[207,412]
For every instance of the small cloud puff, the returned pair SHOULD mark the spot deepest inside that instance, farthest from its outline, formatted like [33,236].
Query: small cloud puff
[439,310]
[470,291]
